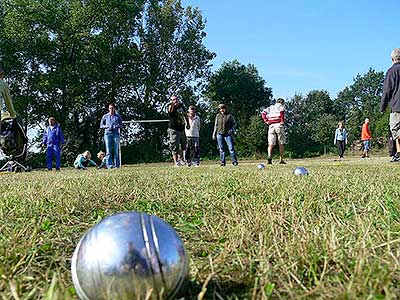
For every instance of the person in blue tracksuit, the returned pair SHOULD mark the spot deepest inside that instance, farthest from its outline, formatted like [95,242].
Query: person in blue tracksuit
[53,138]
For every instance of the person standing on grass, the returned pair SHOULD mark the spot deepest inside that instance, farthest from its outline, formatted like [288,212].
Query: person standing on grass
[112,124]
[366,138]
[391,95]
[5,96]
[224,128]
[53,138]
[192,153]
[340,139]
[176,129]
[274,116]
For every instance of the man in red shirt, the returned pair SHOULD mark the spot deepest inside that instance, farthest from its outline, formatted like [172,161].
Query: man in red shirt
[366,138]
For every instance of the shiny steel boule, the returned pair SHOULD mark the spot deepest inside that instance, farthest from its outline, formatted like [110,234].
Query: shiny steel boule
[300,171]
[129,256]
[260,166]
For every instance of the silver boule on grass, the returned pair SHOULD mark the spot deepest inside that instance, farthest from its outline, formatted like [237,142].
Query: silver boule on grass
[260,166]
[129,256]
[300,171]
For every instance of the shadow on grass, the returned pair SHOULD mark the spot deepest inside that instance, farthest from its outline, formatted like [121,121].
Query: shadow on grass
[214,290]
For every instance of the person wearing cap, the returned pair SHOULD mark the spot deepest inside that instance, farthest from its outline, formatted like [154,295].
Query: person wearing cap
[274,116]
[112,124]
[84,160]
[176,129]
[192,153]
[224,128]
[5,96]
[103,160]
[53,138]
[391,95]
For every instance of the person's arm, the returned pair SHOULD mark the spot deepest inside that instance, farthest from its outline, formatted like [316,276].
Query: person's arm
[103,122]
[80,159]
[8,102]
[282,116]
[92,163]
[62,140]
[345,136]
[45,136]
[119,125]
[264,116]
[214,135]
[387,91]
[369,132]
[234,124]
[334,139]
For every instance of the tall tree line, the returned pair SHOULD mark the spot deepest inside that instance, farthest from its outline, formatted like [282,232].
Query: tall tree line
[70,58]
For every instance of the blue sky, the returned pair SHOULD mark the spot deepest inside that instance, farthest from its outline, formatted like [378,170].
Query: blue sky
[298,46]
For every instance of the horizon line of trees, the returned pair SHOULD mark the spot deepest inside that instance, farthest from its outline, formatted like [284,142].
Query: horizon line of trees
[70,58]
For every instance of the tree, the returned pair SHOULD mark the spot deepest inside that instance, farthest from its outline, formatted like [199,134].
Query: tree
[311,122]
[70,58]
[361,100]
[241,88]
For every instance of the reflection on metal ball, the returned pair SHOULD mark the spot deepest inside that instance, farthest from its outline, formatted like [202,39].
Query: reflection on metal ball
[300,171]
[260,166]
[129,256]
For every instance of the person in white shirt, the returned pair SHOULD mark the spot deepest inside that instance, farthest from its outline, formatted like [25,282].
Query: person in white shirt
[274,116]
[192,153]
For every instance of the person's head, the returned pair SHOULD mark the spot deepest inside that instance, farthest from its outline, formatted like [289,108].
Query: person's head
[340,124]
[174,99]
[52,121]
[395,55]
[222,108]
[111,108]
[192,110]
[280,101]
[366,121]
[87,154]
[101,155]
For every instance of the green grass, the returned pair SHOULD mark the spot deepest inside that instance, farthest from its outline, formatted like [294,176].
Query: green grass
[250,234]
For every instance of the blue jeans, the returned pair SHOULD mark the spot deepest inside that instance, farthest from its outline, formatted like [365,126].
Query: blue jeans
[53,151]
[111,139]
[229,142]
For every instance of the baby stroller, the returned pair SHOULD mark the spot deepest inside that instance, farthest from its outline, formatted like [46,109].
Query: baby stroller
[13,144]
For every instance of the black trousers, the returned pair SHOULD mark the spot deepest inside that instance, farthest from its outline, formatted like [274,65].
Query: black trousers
[341,146]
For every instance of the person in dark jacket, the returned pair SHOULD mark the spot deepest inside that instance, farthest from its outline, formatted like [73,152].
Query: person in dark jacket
[224,128]
[391,95]
[53,138]
[176,129]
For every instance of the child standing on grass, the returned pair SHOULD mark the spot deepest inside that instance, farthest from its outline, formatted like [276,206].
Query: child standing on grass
[366,138]
[102,156]
[84,160]
[340,139]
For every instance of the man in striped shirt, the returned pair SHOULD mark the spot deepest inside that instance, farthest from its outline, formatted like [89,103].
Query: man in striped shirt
[274,116]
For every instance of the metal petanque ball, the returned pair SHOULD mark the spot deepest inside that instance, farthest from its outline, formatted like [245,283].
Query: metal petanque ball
[260,166]
[300,171]
[129,256]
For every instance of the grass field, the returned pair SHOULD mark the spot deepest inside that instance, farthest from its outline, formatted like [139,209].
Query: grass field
[250,234]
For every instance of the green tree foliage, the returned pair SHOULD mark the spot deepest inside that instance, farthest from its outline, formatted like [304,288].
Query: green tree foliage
[362,100]
[253,141]
[70,58]
[241,88]
[311,122]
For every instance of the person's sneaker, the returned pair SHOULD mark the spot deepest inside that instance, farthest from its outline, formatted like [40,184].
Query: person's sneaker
[222,165]
[196,165]
[235,163]
[395,158]
[269,161]
[282,162]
